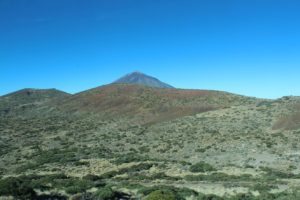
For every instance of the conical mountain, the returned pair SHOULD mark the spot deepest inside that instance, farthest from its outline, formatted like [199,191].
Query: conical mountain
[142,79]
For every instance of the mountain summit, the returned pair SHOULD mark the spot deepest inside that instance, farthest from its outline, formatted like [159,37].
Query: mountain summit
[142,79]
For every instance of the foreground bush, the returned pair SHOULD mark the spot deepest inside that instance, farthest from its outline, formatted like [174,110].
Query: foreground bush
[105,193]
[179,193]
[161,195]
[16,187]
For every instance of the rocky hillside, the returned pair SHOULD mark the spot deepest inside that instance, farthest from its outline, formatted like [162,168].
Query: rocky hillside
[123,141]
[147,104]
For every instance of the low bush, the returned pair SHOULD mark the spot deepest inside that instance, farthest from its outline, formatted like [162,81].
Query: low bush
[132,169]
[219,177]
[16,187]
[137,168]
[130,157]
[161,195]
[50,156]
[23,187]
[209,197]
[105,193]
[273,174]
[179,193]
[202,167]
[74,186]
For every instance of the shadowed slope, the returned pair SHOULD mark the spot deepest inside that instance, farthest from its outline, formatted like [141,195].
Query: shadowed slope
[291,119]
[25,99]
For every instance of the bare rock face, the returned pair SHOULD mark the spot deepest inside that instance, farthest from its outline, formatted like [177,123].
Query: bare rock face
[142,79]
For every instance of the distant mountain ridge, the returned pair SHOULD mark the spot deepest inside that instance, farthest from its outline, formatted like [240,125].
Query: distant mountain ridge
[41,93]
[142,79]
[28,99]
[137,96]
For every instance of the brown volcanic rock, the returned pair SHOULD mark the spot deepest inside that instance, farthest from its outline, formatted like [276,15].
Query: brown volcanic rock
[148,104]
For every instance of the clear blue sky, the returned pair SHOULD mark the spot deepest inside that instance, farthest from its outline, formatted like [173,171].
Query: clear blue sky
[251,47]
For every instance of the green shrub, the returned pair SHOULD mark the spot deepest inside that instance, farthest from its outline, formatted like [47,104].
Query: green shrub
[17,187]
[128,158]
[81,196]
[75,186]
[202,167]
[200,150]
[209,197]
[105,193]
[109,175]
[219,177]
[136,168]
[51,156]
[273,174]
[161,195]
[25,167]
[180,193]
[73,190]
[23,186]
[132,169]
[91,177]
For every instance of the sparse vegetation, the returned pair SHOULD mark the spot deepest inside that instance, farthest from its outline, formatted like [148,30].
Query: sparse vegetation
[146,144]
